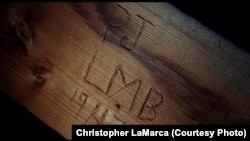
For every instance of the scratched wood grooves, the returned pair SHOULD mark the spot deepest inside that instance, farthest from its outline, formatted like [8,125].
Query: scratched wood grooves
[120,63]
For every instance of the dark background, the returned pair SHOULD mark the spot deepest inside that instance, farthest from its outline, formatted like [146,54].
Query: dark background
[230,19]
[227,18]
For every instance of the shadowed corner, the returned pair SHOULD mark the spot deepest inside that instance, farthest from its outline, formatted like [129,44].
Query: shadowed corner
[228,19]
[18,122]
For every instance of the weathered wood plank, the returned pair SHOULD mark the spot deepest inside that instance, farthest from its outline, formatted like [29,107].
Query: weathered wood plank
[120,63]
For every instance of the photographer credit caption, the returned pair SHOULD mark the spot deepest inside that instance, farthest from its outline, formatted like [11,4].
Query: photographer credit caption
[174,133]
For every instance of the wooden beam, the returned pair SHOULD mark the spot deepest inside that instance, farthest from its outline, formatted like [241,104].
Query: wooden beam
[120,63]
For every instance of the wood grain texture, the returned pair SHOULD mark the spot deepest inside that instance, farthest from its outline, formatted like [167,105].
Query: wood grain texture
[120,63]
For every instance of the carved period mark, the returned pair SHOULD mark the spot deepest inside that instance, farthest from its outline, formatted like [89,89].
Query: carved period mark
[118,106]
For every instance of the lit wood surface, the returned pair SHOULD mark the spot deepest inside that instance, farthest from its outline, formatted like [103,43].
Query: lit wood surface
[120,63]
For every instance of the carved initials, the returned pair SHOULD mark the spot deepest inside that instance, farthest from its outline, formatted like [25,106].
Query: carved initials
[118,70]
[153,99]
[125,40]
[151,108]
[125,85]
[117,25]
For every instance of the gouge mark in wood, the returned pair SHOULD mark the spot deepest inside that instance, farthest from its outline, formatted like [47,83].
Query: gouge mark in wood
[104,115]
[122,121]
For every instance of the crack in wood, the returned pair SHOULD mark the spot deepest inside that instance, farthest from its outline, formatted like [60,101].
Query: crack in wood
[24,34]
